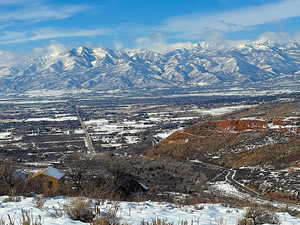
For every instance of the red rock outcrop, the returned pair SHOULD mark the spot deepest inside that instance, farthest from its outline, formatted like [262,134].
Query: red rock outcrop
[241,125]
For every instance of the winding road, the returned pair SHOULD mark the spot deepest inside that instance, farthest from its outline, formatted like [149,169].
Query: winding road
[230,179]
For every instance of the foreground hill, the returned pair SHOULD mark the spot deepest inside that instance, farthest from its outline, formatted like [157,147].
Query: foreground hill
[269,137]
[255,63]
[131,213]
[257,150]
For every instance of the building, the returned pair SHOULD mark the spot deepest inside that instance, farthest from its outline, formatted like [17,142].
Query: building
[50,178]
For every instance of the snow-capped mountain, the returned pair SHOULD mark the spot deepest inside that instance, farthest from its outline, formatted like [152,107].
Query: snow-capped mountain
[263,63]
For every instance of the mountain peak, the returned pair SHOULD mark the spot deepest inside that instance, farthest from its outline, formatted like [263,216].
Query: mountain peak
[253,63]
[81,50]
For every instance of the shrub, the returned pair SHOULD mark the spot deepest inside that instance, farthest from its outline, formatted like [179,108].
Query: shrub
[12,199]
[245,221]
[101,221]
[156,222]
[105,221]
[39,202]
[159,221]
[56,212]
[258,215]
[112,212]
[80,209]
[109,217]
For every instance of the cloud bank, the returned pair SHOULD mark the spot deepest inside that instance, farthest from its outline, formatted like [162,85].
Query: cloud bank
[17,14]
[8,37]
[194,25]
[183,30]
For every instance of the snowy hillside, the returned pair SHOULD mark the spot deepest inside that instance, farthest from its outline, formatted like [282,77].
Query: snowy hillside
[134,213]
[255,63]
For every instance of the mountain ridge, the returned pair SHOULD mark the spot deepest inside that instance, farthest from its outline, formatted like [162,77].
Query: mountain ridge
[255,63]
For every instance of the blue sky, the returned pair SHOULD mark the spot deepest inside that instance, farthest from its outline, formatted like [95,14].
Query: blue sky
[27,25]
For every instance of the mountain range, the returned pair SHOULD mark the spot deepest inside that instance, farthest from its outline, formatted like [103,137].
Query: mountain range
[257,63]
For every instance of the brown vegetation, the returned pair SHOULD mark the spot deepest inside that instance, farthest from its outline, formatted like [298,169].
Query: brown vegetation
[80,209]
[258,215]
[230,138]
[279,155]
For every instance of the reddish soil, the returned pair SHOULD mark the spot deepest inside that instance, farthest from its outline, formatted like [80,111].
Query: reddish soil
[231,128]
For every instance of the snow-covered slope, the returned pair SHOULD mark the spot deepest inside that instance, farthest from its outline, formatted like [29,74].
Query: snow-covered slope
[263,63]
[133,213]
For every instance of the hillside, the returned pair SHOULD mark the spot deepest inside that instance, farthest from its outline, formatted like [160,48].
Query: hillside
[257,149]
[267,135]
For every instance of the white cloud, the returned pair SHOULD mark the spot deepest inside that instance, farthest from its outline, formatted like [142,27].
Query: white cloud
[157,43]
[16,13]
[13,2]
[36,12]
[279,37]
[297,36]
[195,25]
[118,45]
[52,50]
[49,33]
[8,58]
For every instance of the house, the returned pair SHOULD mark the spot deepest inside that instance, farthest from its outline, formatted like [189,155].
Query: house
[50,178]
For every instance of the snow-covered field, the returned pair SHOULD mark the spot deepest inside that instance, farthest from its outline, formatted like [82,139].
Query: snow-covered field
[23,102]
[102,128]
[4,135]
[223,110]
[134,213]
[112,93]
[65,118]
[53,93]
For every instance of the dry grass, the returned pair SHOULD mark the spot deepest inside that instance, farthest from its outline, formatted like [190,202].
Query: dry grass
[257,215]
[157,221]
[28,219]
[101,221]
[25,219]
[278,155]
[39,202]
[80,209]
[11,199]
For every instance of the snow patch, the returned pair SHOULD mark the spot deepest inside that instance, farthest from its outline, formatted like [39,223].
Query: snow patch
[67,118]
[5,135]
[223,110]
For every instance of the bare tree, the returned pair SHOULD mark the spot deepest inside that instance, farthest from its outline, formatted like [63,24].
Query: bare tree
[8,177]
[77,170]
